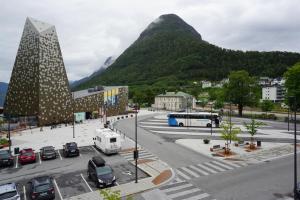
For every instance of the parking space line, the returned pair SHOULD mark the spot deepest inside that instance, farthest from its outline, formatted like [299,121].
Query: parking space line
[59,154]
[86,182]
[60,196]
[96,150]
[117,183]
[24,191]
[40,158]
[17,160]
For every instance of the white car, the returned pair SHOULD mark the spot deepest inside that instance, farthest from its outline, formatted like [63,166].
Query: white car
[9,192]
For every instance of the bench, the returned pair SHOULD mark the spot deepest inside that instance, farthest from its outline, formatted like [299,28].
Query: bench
[215,147]
[239,143]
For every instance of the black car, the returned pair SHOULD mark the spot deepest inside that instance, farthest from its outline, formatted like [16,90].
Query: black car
[48,152]
[70,149]
[42,188]
[99,173]
[6,159]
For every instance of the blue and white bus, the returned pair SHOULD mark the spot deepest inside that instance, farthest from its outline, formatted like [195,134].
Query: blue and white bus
[194,119]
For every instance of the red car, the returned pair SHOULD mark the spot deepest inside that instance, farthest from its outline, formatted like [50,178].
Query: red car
[27,156]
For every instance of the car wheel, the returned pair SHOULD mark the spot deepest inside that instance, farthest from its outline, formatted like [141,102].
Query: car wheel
[208,125]
[180,124]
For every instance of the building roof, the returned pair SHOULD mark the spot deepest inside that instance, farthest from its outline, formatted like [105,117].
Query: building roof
[174,94]
[39,25]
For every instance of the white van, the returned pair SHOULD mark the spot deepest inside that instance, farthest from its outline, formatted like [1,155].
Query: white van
[107,141]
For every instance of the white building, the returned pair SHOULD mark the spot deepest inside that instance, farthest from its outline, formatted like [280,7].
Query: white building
[273,93]
[206,84]
[174,101]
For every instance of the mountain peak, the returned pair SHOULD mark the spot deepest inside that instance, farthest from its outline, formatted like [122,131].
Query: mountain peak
[168,23]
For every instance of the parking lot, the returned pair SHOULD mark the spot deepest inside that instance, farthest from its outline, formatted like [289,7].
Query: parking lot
[70,174]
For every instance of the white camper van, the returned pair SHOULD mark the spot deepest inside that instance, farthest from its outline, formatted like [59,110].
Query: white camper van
[107,141]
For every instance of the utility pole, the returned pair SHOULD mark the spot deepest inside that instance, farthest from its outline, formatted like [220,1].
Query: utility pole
[295,148]
[289,118]
[211,119]
[230,125]
[9,141]
[136,150]
[73,114]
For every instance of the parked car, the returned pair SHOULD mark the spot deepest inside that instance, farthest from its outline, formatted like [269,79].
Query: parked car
[48,152]
[6,159]
[99,173]
[42,188]
[9,191]
[70,149]
[27,156]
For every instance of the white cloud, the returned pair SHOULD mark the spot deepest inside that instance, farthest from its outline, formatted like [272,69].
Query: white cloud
[90,31]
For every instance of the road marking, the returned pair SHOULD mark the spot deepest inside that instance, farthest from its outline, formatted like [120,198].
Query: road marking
[222,164]
[215,167]
[40,158]
[207,169]
[190,172]
[17,160]
[54,181]
[59,155]
[86,182]
[182,175]
[172,196]
[177,187]
[117,183]
[199,170]
[24,191]
[201,196]
[96,150]
[80,154]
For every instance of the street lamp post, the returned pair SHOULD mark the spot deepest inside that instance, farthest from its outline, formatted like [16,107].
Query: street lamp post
[211,119]
[289,118]
[136,150]
[230,125]
[73,115]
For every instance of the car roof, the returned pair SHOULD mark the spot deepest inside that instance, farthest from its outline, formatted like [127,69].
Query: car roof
[41,180]
[48,147]
[99,161]
[8,187]
[71,144]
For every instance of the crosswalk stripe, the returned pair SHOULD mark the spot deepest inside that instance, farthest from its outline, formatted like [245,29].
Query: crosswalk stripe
[183,193]
[222,164]
[182,175]
[178,187]
[215,167]
[189,172]
[206,168]
[198,170]
[232,164]
[198,197]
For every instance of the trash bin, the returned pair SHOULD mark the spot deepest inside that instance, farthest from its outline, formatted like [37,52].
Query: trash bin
[259,143]
[17,150]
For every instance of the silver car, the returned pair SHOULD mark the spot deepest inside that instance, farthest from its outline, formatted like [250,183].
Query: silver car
[9,191]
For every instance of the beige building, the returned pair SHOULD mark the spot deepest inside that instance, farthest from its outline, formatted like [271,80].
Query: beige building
[174,101]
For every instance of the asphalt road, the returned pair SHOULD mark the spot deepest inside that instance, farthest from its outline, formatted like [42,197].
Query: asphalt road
[264,181]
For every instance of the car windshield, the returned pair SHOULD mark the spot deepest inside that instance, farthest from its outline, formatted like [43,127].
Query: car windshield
[27,153]
[71,145]
[41,188]
[8,195]
[103,170]
[4,155]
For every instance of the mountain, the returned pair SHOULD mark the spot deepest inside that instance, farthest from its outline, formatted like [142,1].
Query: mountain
[169,54]
[110,60]
[3,90]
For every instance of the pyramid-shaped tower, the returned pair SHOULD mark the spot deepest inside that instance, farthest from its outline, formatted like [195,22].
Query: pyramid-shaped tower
[39,85]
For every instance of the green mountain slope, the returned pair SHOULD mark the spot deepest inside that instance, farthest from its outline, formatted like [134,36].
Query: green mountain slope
[171,52]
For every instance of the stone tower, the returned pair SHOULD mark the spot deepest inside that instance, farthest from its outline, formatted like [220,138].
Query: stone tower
[39,85]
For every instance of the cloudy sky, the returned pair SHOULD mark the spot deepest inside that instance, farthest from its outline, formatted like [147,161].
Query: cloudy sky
[91,30]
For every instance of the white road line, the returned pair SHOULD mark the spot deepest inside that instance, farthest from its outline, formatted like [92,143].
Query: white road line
[24,191]
[96,150]
[182,175]
[17,160]
[215,167]
[190,172]
[222,164]
[40,158]
[86,182]
[199,170]
[177,187]
[206,168]
[54,181]
[172,196]
[117,183]
[200,196]
[80,154]
[59,155]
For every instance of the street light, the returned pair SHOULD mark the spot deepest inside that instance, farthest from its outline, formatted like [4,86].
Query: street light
[73,114]
[136,153]
[211,105]
[293,99]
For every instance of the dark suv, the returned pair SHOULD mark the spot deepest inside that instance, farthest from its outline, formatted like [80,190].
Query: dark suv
[42,188]
[6,159]
[48,152]
[70,149]
[99,173]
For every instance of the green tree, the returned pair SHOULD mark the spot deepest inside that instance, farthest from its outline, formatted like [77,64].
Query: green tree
[267,105]
[252,128]
[241,90]
[292,83]
[202,102]
[111,195]
[218,104]
[229,133]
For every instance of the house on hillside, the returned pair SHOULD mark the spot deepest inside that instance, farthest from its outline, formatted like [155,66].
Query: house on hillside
[206,84]
[174,101]
[273,93]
